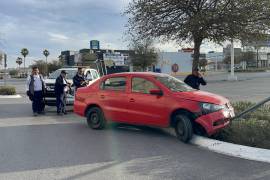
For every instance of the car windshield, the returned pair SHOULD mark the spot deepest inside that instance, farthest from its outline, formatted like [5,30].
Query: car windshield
[174,84]
[70,75]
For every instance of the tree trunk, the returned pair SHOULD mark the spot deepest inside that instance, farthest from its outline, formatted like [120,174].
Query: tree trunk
[196,56]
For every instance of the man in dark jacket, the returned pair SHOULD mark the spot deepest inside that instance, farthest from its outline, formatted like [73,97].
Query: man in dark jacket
[61,87]
[195,79]
[79,79]
[35,88]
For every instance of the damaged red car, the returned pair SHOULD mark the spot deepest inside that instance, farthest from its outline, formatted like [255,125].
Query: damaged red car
[152,99]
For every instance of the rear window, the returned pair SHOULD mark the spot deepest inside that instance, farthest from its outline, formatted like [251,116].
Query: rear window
[114,84]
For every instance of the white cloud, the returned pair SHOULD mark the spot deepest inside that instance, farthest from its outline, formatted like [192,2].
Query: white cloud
[57,37]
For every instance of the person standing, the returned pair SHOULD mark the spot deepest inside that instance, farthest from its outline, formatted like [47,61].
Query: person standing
[195,79]
[79,79]
[35,88]
[61,87]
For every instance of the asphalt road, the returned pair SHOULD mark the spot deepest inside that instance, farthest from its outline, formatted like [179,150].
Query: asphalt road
[53,147]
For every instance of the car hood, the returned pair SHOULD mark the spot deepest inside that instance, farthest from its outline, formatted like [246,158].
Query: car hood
[202,96]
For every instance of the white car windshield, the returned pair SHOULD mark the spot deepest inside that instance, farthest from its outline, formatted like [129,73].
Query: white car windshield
[174,84]
[70,75]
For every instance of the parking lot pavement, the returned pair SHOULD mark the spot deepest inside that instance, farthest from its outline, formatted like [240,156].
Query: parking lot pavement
[53,147]
[249,90]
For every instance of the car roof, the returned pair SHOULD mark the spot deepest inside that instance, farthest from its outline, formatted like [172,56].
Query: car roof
[75,69]
[139,73]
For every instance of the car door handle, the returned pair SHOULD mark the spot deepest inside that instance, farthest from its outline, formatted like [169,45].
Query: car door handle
[102,96]
[132,100]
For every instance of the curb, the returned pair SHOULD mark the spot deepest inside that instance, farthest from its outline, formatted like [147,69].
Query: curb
[235,150]
[10,96]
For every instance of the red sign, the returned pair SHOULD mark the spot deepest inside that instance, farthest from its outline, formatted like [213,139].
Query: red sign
[187,49]
[175,68]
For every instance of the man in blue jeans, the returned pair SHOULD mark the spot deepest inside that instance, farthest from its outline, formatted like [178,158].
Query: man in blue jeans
[35,87]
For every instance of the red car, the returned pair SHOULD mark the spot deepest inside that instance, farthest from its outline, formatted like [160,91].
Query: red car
[152,99]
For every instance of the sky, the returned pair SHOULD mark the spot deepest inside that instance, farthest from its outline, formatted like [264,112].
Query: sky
[59,25]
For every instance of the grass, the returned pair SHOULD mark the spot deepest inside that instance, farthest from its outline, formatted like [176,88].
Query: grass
[7,90]
[251,130]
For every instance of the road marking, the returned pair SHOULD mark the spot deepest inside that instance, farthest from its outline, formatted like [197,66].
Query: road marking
[10,96]
[39,120]
[119,170]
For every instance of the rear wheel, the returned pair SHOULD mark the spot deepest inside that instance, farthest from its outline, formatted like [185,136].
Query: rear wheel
[95,118]
[183,128]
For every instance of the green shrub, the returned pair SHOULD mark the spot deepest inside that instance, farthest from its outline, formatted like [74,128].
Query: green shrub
[13,72]
[7,90]
[251,130]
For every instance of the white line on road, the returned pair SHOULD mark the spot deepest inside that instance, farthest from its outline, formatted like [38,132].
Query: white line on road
[10,96]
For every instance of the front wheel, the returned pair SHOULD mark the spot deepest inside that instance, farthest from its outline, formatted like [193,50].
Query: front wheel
[183,128]
[95,118]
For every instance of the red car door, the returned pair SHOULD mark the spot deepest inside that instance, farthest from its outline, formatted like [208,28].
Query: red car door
[113,98]
[145,108]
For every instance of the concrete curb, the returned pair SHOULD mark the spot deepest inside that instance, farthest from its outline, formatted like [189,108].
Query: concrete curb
[10,96]
[235,150]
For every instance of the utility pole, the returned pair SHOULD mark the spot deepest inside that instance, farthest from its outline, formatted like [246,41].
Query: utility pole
[232,77]
[5,66]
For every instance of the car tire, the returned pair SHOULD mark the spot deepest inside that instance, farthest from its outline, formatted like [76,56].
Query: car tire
[95,118]
[183,128]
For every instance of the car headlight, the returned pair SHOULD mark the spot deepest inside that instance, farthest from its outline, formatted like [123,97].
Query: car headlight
[210,108]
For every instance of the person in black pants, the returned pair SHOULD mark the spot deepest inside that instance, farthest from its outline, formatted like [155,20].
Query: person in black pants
[35,88]
[61,87]
[195,79]
[79,79]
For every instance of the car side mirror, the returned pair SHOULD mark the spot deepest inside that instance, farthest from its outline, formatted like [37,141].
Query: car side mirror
[157,92]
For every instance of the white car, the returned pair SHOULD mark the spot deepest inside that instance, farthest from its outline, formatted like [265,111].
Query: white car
[91,75]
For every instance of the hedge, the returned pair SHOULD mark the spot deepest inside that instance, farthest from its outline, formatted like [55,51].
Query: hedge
[251,130]
[7,90]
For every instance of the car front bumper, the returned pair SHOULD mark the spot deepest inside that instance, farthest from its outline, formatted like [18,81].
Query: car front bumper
[216,121]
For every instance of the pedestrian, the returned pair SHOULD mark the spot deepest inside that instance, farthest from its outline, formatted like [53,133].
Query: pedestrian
[195,79]
[79,79]
[35,88]
[61,88]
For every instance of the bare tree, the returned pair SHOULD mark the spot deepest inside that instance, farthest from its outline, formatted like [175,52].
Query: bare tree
[143,54]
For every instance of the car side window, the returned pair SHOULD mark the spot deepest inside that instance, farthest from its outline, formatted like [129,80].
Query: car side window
[94,74]
[114,84]
[141,85]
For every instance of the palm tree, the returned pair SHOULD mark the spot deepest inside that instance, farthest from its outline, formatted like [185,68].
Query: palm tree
[19,62]
[24,53]
[46,53]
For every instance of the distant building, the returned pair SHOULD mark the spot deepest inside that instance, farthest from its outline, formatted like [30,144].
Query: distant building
[113,60]
[94,44]
[68,57]
[174,63]
[227,51]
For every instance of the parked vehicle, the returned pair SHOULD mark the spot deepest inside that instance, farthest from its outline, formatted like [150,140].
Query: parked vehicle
[152,99]
[50,99]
